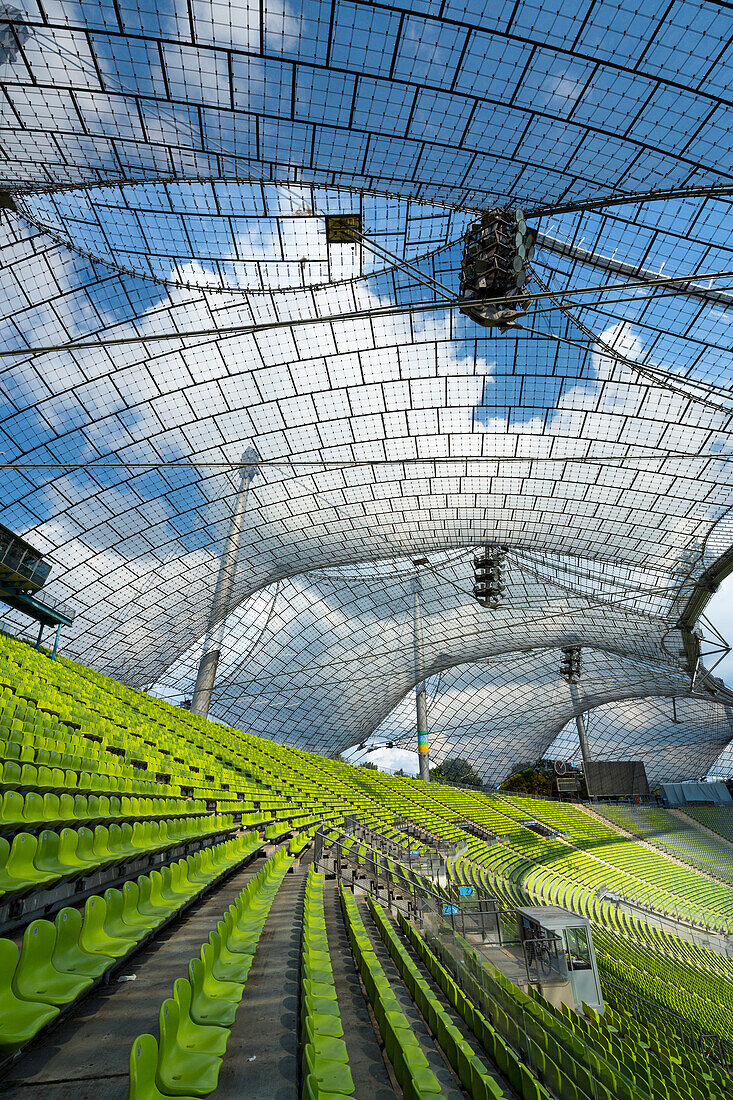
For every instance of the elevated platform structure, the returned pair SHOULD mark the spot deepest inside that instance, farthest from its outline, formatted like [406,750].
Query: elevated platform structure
[23,572]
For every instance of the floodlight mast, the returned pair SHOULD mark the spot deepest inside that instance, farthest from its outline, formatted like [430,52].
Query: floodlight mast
[206,675]
[570,670]
[423,738]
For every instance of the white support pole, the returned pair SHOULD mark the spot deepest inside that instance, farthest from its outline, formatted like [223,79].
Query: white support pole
[206,675]
[582,734]
[423,738]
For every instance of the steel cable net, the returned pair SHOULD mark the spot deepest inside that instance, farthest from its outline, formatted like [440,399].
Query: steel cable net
[683,739]
[174,296]
[501,717]
[328,659]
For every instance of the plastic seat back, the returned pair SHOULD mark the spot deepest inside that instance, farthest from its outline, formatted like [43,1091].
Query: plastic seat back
[29,979]
[68,841]
[33,812]
[114,924]
[68,804]
[131,913]
[47,853]
[94,812]
[85,846]
[20,863]
[28,776]
[143,1068]
[158,897]
[12,808]
[52,810]
[126,837]
[102,847]
[93,936]
[11,773]
[68,956]
[20,1020]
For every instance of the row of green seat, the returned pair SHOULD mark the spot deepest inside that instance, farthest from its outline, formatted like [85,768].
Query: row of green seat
[647,1028]
[459,1052]
[300,841]
[494,1044]
[31,862]
[17,776]
[705,999]
[27,748]
[600,856]
[194,1024]
[563,1061]
[18,811]
[124,741]
[665,830]
[59,960]
[325,1064]
[403,1049]
[655,971]
[719,819]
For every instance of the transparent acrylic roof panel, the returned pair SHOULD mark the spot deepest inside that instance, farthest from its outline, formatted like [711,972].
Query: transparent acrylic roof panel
[596,440]
[232,235]
[455,100]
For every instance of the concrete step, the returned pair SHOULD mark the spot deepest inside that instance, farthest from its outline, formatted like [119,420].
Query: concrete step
[88,1055]
[449,1082]
[366,1050]
[261,1061]
[464,1029]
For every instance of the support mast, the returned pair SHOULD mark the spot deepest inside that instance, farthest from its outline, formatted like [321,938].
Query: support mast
[206,675]
[423,739]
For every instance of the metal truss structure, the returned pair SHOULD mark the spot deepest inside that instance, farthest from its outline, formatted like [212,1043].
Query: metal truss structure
[173,299]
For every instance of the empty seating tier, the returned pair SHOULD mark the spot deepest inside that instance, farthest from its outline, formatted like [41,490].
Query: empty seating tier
[120,813]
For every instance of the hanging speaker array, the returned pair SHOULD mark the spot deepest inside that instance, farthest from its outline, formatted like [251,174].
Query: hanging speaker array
[497,250]
[488,572]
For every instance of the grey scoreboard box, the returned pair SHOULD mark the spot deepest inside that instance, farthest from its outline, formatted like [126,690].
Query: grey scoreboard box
[616,778]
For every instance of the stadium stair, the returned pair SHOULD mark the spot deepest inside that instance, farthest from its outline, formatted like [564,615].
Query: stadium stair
[60,962]
[459,1046]
[189,1059]
[114,789]
[418,1067]
[92,1046]
[367,1054]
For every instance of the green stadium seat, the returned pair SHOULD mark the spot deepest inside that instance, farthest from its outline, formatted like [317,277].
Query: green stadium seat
[94,936]
[36,977]
[133,915]
[68,955]
[331,1075]
[182,1071]
[226,965]
[20,1019]
[211,1003]
[313,1090]
[114,924]
[203,1038]
[18,872]
[143,1069]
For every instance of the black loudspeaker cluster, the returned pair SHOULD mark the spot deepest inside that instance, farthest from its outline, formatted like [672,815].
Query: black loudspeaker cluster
[496,252]
[570,665]
[488,571]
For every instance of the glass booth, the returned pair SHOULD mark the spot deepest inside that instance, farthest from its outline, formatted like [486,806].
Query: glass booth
[559,956]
